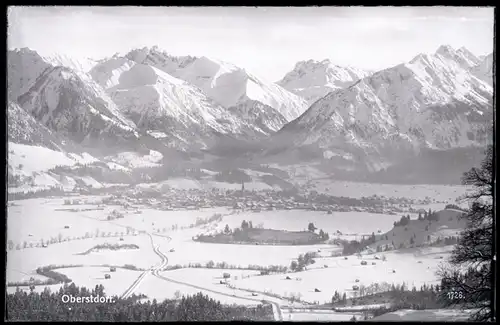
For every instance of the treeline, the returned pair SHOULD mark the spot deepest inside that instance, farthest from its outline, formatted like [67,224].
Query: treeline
[48,306]
[99,171]
[60,238]
[14,180]
[205,221]
[55,277]
[449,240]
[302,261]
[233,176]
[426,297]
[113,247]
[225,266]
[354,246]
[103,173]
[248,234]
[37,193]
[427,215]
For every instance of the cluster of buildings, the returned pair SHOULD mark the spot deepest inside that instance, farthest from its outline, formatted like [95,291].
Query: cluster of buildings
[257,201]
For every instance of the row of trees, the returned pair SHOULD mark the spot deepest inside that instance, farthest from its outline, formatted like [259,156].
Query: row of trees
[245,225]
[37,193]
[426,297]
[224,265]
[48,306]
[302,261]
[322,234]
[354,246]
[430,216]
[61,238]
[427,215]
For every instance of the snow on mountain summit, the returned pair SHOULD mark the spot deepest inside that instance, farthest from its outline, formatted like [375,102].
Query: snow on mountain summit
[77,108]
[179,113]
[224,82]
[463,57]
[264,118]
[24,66]
[83,65]
[484,70]
[314,79]
[160,59]
[148,91]
[430,101]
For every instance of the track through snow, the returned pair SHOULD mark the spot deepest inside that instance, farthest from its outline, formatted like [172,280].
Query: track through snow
[156,269]
[153,269]
[156,272]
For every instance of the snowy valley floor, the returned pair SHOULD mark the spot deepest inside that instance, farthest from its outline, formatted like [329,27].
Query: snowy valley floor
[38,220]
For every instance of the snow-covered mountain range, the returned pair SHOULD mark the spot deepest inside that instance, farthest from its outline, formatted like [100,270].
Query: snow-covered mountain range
[139,92]
[433,101]
[314,79]
[226,83]
[149,99]
[75,107]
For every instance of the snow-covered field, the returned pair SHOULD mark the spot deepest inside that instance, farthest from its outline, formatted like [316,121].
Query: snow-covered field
[22,263]
[187,251]
[207,277]
[297,220]
[210,279]
[157,288]
[89,277]
[21,158]
[135,160]
[35,219]
[341,274]
[39,218]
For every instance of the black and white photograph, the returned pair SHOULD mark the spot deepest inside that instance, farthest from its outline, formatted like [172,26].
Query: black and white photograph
[288,164]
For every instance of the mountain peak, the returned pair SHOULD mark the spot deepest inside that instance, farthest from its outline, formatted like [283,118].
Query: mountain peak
[445,50]
[314,79]
[464,50]
[468,54]
[24,50]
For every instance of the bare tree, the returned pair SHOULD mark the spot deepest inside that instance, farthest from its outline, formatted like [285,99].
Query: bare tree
[469,275]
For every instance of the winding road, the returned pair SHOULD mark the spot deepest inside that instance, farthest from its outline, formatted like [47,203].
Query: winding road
[154,269]
[157,269]
[156,272]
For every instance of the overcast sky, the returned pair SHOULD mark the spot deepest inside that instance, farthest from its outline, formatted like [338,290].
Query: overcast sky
[266,41]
